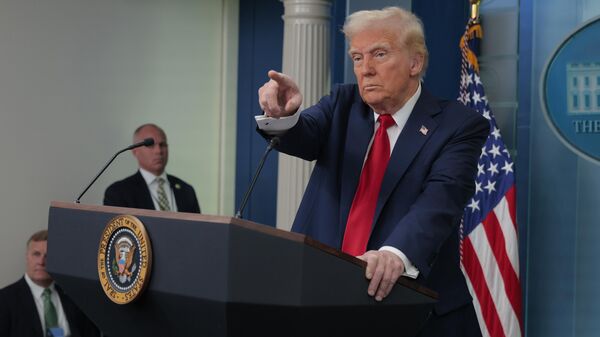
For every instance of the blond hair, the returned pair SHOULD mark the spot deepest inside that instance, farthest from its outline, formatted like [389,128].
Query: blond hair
[408,27]
[38,236]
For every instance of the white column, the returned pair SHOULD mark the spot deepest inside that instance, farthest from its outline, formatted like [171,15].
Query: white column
[306,59]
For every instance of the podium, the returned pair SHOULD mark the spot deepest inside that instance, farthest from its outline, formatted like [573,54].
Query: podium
[223,276]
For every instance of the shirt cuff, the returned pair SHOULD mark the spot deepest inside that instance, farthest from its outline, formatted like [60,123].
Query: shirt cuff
[409,269]
[276,126]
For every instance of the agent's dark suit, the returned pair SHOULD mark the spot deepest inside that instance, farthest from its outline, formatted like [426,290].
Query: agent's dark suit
[19,316]
[429,179]
[133,192]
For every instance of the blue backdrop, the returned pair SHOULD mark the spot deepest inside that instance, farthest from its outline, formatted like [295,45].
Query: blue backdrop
[260,49]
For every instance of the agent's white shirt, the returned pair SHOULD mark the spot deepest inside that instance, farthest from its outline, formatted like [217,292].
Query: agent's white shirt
[37,291]
[152,182]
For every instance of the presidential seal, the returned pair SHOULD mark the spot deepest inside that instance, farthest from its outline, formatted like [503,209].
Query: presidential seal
[124,259]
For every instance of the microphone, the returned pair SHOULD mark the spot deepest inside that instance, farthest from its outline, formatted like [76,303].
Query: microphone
[145,142]
[272,143]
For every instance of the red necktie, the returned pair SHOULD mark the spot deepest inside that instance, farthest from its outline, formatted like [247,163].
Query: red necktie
[360,219]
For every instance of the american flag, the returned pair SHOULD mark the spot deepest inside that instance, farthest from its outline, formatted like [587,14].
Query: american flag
[489,248]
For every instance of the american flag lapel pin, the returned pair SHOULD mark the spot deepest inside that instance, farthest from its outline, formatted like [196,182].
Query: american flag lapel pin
[423,130]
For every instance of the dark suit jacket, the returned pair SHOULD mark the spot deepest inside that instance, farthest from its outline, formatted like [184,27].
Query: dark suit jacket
[429,179]
[134,193]
[19,316]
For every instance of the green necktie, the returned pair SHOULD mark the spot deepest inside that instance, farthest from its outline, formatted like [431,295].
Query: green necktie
[50,317]
[163,201]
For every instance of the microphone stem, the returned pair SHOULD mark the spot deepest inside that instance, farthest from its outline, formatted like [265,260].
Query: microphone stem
[272,143]
[98,175]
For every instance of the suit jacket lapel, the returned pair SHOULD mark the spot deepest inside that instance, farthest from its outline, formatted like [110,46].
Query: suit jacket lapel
[29,306]
[418,129]
[70,312]
[358,135]
[177,192]
[143,192]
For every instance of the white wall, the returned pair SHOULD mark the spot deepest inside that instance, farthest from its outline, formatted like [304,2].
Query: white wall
[77,77]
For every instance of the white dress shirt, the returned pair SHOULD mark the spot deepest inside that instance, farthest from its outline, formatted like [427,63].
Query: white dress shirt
[152,182]
[37,291]
[400,117]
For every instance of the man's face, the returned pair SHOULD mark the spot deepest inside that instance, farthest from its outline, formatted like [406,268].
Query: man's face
[152,158]
[36,263]
[387,73]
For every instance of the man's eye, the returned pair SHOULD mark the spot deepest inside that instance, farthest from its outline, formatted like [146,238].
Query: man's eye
[356,58]
[380,54]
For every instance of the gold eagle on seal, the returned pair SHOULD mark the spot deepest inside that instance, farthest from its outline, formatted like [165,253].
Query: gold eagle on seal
[124,252]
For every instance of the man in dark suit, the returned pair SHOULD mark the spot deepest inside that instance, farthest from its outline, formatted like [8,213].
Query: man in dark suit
[394,165]
[151,187]
[35,304]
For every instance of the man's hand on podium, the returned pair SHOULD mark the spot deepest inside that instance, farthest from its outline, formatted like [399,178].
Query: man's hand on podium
[383,269]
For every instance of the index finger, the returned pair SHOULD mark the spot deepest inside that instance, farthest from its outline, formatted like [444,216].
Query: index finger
[280,78]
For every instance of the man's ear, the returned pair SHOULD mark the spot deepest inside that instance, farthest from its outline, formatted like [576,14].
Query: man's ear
[416,64]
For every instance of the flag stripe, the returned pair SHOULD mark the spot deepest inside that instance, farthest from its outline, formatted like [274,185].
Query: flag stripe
[476,306]
[504,269]
[478,282]
[508,230]
[494,280]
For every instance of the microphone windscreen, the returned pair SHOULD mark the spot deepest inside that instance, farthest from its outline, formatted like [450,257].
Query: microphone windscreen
[148,141]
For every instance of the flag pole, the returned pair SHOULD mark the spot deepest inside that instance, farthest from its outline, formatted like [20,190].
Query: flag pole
[475,10]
